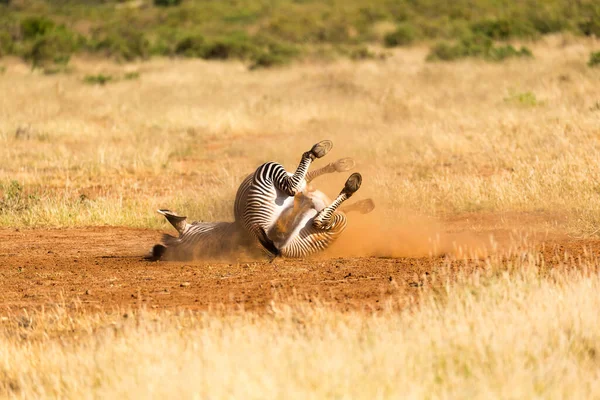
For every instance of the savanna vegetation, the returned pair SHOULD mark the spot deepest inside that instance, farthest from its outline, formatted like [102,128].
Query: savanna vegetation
[109,111]
[272,32]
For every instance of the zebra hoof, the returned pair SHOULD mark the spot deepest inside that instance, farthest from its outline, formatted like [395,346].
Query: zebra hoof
[321,148]
[344,164]
[352,184]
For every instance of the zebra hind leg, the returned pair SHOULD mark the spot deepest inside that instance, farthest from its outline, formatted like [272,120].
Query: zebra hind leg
[320,149]
[324,220]
[341,165]
[292,184]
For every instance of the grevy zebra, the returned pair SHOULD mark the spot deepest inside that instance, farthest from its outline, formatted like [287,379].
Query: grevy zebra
[275,211]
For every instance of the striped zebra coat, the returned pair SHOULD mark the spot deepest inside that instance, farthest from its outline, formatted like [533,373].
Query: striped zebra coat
[276,212]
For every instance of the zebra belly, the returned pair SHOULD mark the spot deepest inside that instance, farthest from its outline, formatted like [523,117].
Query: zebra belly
[294,214]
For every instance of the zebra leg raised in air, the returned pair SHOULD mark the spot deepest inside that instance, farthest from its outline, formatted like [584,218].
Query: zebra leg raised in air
[341,165]
[319,232]
[263,195]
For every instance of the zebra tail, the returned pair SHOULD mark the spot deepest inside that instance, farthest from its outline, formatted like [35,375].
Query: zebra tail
[178,221]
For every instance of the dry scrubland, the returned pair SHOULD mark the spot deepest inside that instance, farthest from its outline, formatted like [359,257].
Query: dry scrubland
[515,142]
[437,139]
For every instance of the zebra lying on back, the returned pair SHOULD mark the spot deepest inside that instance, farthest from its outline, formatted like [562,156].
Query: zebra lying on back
[275,212]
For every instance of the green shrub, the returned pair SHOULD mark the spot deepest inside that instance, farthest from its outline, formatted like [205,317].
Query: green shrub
[306,27]
[590,26]
[200,28]
[524,99]
[99,79]
[122,43]
[266,60]
[589,20]
[594,59]
[191,46]
[548,21]
[445,52]
[502,29]
[167,3]
[13,199]
[52,47]
[229,47]
[34,27]
[6,44]
[404,34]
[4,2]
[361,53]
[475,46]
[131,76]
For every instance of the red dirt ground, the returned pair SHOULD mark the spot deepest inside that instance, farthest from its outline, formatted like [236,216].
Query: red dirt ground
[103,267]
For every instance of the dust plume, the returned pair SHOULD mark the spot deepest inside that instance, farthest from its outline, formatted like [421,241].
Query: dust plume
[382,234]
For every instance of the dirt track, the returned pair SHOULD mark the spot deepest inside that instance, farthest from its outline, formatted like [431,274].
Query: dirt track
[104,268]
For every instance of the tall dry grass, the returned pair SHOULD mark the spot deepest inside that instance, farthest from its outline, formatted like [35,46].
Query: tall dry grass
[436,139]
[503,333]
[443,140]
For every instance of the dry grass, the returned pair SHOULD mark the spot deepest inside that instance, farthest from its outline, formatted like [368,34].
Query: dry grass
[495,335]
[438,139]
[442,140]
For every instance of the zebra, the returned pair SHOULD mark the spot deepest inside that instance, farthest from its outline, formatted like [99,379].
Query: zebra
[275,211]
[284,214]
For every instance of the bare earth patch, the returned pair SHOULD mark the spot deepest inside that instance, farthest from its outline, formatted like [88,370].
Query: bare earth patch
[103,268]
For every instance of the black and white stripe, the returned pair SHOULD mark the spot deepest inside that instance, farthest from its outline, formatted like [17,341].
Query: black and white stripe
[274,213]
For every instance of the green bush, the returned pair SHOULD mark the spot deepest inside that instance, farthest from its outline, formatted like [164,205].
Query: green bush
[266,60]
[404,34]
[4,2]
[548,21]
[361,53]
[167,3]
[210,29]
[6,44]
[236,45]
[233,46]
[475,46]
[13,199]
[528,99]
[129,76]
[34,27]
[191,46]
[502,29]
[122,43]
[306,27]
[53,46]
[99,79]
[594,59]
[500,53]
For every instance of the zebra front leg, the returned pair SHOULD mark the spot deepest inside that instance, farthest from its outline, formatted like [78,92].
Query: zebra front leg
[324,220]
[292,184]
[341,165]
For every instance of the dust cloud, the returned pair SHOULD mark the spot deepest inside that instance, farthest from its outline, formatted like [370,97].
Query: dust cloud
[404,234]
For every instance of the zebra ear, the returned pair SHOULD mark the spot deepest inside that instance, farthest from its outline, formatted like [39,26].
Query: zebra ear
[177,221]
